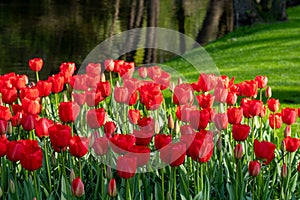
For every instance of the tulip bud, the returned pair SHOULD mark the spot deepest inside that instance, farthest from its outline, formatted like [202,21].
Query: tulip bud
[102,77]
[283,171]
[179,81]
[156,126]
[117,84]
[65,98]
[72,175]
[219,144]
[254,168]
[282,147]
[112,188]
[12,186]
[108,172]
[172,86]
[109,65]
[177,127]
[170,122]
[77,187]
[287,131]
[298,168]
[238,151]
[9,128]
[268,92]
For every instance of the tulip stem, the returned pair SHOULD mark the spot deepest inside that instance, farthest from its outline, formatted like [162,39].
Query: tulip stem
[37,76]
[163,183]
[80,168]
[174,183]
[47,165]
[35,185]
[252,137]
[128,194]
[97,183]
[102,178]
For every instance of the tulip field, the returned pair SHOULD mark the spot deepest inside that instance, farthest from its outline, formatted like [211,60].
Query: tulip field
[118,131]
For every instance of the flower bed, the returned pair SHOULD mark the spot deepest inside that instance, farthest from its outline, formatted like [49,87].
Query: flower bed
[141,136]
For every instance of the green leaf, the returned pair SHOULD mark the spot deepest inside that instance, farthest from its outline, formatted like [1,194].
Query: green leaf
[63,195]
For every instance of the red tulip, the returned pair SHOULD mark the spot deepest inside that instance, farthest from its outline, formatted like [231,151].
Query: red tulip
[287,131]
[134,116]
[263,111]
[126,166]
[3,127]
[273,104]
[5,113]
[231,98]
[143,137]
[77,187]
[202,146]
[93,69]
[104,89]
[151,96]
[31,106]
[264,150]
[20,81]
[36,64]
[67,69]
[57,83]
[126,70]
[205,100]
[78,146]
[121,143]
[44,88]
[100,146]
[235,115]
[14,150]
[16,108]
[41,127]
[31,93]
[255,107]
[220,94]
[221,121]
[96,117]
[79,82]
[121,94]
[146,123]
[173,154]
[9,95]
[200,119]
[238,151]
[289,115]
[31,156]
[109,129]
[68,111]
[143,72]
[291,144]
[28,121]
[161,140]
[284,170]
[142,154]
[275,120]
[183,94]
[154,71]
[16,120]
[240,132]
[248,88]
[206,82]
[254,168]
[262,81]
[79,98]
[163,80]
[93,98]
[3,146]
[60,136]
[109,65]
[184,112]
[268,93]
[245,104]
[112,188]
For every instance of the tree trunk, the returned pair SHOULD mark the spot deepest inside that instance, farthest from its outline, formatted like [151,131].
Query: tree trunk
[152,21]
[210,27]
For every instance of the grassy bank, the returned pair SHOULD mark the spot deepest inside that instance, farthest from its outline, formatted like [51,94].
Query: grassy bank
[263,49]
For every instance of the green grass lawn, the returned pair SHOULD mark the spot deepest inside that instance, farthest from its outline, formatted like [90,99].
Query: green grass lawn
[272,50]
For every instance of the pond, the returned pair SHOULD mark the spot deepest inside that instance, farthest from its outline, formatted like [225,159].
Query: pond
[61,30]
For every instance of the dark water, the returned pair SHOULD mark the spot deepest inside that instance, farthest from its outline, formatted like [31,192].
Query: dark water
[61,30]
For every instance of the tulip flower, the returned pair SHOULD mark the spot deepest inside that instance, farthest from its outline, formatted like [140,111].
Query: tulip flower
[31,156]
[291,144]
[221,121]
[60,136]
[238,151]
[240,132]
[109,129]
[14,150]
[231,98]
[41,127]
[9,95]
[289,115]
[134,116]
[262,81]
[161,140]
[173,154]
[78,146]
[183,94]
[77,187]
[143,137]
[112,188]
[142,154]
[254,168]
[36,64]
[68,111]
[205,100]
[275,120]
[264,150]
[121,143]
[126,166]
[273,104]
[96,117]
[109,65]
[100,146]
[235,115]
[3,146]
